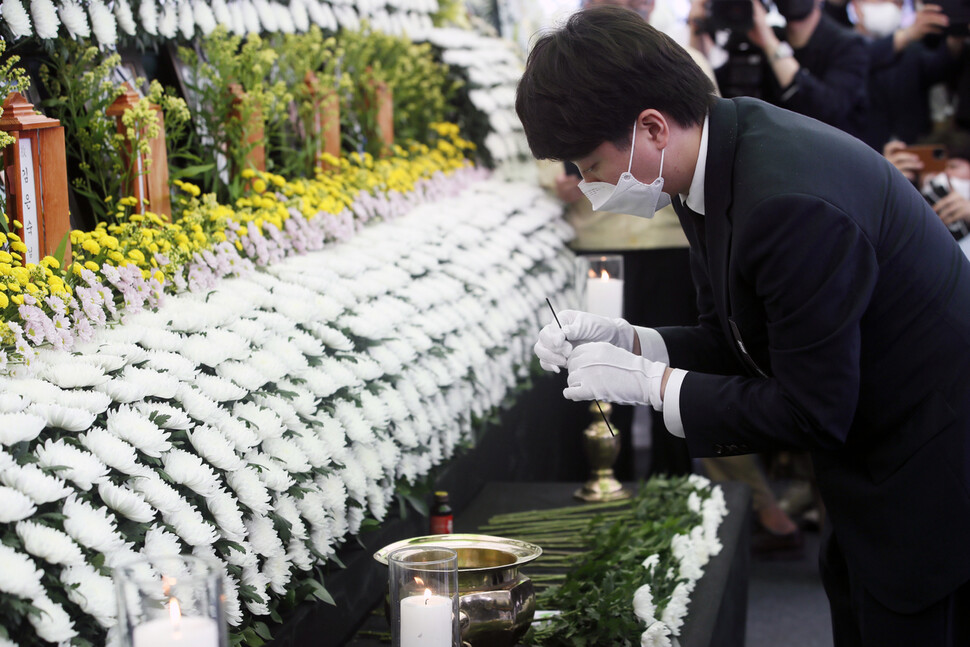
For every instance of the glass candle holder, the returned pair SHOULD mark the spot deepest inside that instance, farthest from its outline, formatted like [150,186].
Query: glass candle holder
[423,587]
[603,285]
[173,601]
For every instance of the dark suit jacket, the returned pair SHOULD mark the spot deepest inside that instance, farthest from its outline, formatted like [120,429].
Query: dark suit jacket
[852,302]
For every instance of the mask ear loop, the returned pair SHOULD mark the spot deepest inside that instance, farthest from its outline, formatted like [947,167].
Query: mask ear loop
[633,146]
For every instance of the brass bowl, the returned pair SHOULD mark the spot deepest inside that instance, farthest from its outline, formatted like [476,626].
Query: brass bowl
[497,603]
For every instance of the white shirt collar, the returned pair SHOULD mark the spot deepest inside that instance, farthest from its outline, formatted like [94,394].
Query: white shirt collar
[695,194]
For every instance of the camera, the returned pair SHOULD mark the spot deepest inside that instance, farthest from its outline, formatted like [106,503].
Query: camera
[938,187]
[733,15]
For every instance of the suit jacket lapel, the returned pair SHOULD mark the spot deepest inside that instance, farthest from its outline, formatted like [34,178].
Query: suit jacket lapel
[718,183]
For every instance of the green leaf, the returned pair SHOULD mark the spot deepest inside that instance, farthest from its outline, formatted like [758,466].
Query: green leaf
[262,631]
[321,593]
[62,248]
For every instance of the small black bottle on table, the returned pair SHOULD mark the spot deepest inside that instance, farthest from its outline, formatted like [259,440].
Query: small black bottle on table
[442,519]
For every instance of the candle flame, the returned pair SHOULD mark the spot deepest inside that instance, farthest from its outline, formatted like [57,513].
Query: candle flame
[604,275]
[427,596]
[175,613]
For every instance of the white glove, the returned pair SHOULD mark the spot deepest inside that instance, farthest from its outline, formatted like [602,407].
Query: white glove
[555,344]
[599,371]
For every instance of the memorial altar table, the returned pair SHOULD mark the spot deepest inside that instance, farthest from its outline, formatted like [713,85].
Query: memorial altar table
[717,611]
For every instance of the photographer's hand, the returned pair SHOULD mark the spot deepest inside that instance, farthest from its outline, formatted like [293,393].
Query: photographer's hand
[907,163]
[952,207]
[929,19]
[783,64]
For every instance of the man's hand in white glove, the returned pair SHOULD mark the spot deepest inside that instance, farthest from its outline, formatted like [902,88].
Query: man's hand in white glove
[555,344]
[599,371]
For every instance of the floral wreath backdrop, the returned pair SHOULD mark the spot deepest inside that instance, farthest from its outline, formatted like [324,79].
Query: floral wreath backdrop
[261,419]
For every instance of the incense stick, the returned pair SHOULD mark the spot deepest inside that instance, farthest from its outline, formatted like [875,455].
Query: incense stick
[605,419]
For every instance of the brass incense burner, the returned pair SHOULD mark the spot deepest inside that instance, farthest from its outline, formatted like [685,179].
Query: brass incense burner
[495,600]
[602,448]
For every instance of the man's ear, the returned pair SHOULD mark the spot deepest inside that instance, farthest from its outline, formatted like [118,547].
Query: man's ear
[654,124]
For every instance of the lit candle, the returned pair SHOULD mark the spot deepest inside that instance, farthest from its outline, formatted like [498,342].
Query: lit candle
[426,621]
[604,295]
[183,631]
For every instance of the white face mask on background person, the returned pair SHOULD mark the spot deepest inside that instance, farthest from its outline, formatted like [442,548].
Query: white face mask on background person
[881,18]
[960,186]
[628,195]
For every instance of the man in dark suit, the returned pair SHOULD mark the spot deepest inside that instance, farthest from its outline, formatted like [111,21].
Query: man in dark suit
[835,311]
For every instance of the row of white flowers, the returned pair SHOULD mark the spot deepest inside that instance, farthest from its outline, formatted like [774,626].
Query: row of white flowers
[294,396]
[692,551]
[187,18]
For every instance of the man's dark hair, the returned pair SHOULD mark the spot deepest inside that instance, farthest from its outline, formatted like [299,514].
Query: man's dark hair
[586,82]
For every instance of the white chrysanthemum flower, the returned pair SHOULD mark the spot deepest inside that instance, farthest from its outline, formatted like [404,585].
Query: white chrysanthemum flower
[263,537]
[330,337]
[676,609]
[277,569]
[103,23]
[218,388]
[83,468]
[162,496]
[92,401]
[66,418]
[191,526]
[374,410]
[18,21]
[189,470]
[316,450]
[148,14]
[243,374]
[306,343]
[250,489]
[656,635]
[165,415]
[223,507]
[196,403]
[643,605]
[242,555]
[215,448]
[355,517]
[299,555]
[204,17]
[389,363]
[311,507]
[33,389]
[319,382]
[34,482]
[49,544]
[323,541]
[168,24]
[236,430]
[20,576]
[89,526]
[44,14]
[268,364]
[369,460]
[186,21]
[285,507]
[287,452]
[221,14]
[14,505]
[135,428]
[333,434]
[74,19]
[354,478]
[333,490]
[156,384]
[53,623]
[300,398]
[161,543]
[281,407]
[122,391]
[252,331]
[126,502]
[113,451]
[91,591]
[17,427]
[263,421]
[259,583]
[698,482]
[271,471]
[281,349]
[352,418]
[125,18]
[12,403]
[174,363]
[231,604]
[266,15]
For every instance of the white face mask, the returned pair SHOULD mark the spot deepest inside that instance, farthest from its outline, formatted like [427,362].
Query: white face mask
[629,195]
[881,18]
[960,186]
